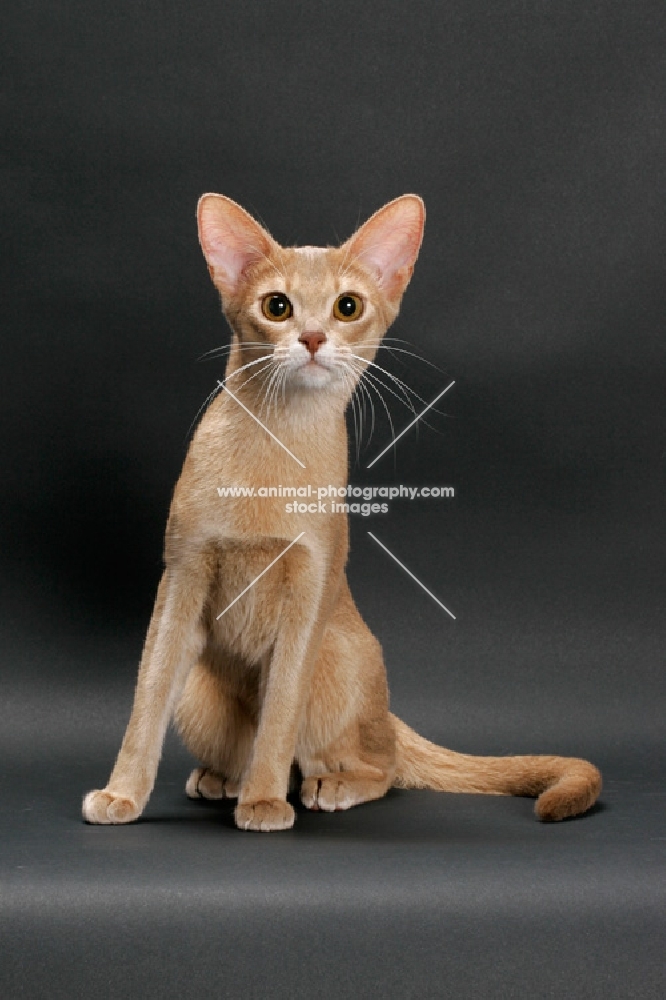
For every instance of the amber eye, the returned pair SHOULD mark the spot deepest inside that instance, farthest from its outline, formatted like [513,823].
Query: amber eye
[347,307]
[276,307]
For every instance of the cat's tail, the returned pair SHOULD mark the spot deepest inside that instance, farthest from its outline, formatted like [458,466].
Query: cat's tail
[564,786]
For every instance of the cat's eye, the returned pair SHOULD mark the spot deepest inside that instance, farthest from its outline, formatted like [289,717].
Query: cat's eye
[276,307]
[347,307]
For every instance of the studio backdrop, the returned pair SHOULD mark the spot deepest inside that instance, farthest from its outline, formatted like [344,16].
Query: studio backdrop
[535,134]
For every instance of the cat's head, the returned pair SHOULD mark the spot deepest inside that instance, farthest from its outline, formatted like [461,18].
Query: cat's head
[317,313]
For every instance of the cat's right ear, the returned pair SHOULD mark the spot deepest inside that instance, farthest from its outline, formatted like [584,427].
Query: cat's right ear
[231,241]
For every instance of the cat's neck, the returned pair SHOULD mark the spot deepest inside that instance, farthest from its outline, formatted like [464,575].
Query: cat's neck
[299,415]
[303,429]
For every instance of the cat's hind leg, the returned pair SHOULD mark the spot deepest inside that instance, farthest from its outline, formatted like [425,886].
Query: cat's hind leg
[218,731]
[348,690]
[357,767]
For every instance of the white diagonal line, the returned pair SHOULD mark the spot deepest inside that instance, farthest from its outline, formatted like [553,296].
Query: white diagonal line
[409,573]
[226,387]
[259,577]
[409,426]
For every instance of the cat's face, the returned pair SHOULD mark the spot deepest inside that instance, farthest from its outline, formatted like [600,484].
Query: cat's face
[316,313]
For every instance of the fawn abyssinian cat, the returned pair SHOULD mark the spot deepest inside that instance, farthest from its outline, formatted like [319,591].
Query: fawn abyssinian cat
[289,673]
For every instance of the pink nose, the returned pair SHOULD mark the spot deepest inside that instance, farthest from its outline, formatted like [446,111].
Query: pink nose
[312,341]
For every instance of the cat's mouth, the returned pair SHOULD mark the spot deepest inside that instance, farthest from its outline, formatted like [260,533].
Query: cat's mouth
[313,373]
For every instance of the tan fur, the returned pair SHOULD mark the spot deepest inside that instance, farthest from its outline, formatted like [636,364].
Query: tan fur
[290,673]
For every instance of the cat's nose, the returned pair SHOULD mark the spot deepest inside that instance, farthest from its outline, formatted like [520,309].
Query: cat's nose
[312,341]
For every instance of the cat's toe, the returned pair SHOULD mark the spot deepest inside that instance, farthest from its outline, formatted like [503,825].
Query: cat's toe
[103,807]
[206,784]
[329,792]
[265,815]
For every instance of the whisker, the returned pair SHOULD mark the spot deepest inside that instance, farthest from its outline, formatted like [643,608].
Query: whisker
[250,364]
[371,384]
[265,386]
[401,385]
[406,388]
[361,393]
[228,347]
[284,383]
[423,421]
[432,409]
[400,350]
[351,384]
[284,372]
[363,375]
[220,386]
[267,375]
[261,370]
[366,396]
[205,403]
[279,386]
[358,395]
[353,411]
[375,380]
[269,390]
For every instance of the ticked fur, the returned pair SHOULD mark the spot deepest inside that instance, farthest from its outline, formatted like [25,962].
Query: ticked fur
[289,673]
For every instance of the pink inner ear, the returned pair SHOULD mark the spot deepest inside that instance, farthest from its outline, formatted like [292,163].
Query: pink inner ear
[230,239]
[389,242]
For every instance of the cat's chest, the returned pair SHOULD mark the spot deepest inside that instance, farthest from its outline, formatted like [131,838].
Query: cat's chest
[252,484]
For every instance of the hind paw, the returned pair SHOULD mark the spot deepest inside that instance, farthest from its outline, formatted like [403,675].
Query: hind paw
[206,784]
[332,793]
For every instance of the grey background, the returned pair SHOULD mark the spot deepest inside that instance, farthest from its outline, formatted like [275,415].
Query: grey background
[535,133]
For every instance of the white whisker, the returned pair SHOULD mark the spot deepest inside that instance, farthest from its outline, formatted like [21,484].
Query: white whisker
[269,391]
[205,403]
[229,347]
[363,375]
[404,398]
[250,364]
[247,381]
[400,350]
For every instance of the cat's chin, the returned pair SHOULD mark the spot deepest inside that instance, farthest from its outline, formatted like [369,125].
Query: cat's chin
[312,375]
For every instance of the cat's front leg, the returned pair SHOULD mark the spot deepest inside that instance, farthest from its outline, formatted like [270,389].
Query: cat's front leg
[175,639]
[262,802]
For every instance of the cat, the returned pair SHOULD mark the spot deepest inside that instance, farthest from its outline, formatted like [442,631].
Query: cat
[288,673]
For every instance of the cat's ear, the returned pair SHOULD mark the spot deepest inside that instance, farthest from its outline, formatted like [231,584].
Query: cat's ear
[231,240]
[389,242]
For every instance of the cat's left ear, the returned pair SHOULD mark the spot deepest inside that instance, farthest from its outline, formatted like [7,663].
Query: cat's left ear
[231,241]
[389,242]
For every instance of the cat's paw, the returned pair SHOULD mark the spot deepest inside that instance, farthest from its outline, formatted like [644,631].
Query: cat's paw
[105,807]
[329,792]
[206,784]
[265,815]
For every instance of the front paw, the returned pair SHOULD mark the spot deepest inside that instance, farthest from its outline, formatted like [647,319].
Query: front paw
[264,815]
[106,807]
